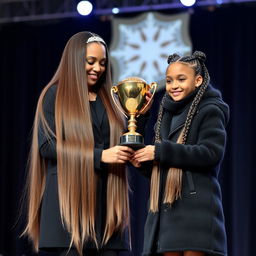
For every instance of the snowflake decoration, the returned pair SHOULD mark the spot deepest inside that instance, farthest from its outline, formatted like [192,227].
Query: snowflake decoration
[140,46]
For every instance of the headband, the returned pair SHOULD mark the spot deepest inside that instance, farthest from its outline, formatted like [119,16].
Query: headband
[95,39]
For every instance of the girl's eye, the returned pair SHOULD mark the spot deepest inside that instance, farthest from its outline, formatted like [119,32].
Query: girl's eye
[168,81]
[103,64]
[182,79]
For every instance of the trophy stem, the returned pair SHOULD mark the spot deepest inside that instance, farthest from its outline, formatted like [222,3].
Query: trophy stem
[132,124]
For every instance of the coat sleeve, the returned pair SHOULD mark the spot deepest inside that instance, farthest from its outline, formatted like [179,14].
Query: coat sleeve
[207,152]
[47,144]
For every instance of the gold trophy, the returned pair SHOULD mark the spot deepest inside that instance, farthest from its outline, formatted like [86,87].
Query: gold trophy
[132,98]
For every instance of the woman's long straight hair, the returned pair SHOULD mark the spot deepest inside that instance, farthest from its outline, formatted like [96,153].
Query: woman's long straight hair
[77,179]
[173,183]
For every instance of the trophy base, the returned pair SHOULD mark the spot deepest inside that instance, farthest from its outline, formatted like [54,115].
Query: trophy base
[133,141]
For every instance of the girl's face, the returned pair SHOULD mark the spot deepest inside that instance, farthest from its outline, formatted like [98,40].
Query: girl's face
[95,62]
[181,80]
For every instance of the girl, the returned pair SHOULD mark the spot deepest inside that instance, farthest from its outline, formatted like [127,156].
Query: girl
[185,214]
[77,184]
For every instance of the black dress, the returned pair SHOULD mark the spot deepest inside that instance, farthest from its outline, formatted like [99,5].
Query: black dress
[52,233]
[196,221]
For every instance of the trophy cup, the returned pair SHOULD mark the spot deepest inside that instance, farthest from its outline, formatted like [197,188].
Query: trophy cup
[132,98]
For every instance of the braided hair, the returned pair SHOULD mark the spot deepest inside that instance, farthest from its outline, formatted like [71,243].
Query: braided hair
[174,177]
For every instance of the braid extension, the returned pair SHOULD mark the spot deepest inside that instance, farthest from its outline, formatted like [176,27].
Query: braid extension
[159,120]
[174,178]
[196,101]
[155,177]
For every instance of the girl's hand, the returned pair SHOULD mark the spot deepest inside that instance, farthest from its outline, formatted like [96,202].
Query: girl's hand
[117,154]
[148,98]
[135,163]
[144,154]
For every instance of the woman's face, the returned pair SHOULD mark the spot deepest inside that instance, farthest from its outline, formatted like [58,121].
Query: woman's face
[181,80]
[95,62]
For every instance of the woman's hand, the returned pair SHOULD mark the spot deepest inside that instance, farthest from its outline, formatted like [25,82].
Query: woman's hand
[117,154]
[142,155]
[148,98]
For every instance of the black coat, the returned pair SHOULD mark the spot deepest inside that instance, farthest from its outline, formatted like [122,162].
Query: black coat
[196,221]
[52,232]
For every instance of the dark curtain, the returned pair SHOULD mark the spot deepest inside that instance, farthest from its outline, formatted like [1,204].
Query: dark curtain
[30,53]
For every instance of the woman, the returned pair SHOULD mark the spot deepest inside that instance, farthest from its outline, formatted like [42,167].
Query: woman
[77,184]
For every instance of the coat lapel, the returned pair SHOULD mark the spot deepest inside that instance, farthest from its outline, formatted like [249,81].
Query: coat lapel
[98,114]
[178,122]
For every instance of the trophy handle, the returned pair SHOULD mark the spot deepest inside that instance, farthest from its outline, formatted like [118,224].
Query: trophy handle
[154,86]
[112,91]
